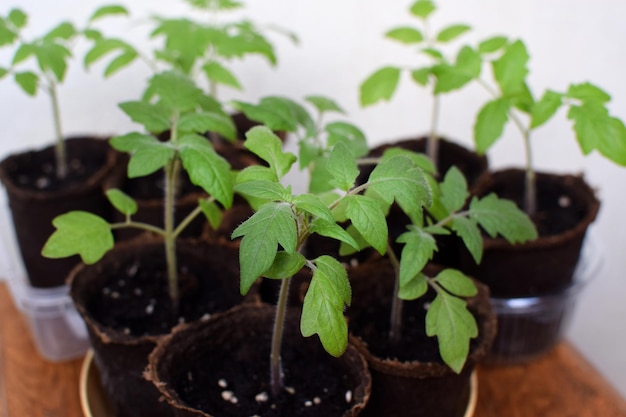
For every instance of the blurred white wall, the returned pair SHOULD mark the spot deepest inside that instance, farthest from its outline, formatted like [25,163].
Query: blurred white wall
[341,44]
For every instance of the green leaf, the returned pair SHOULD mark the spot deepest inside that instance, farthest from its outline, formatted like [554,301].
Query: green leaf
[64,31]
[294,111]
[153,117]
[490,123]
[266,145]
[456,283]
[436,54]
[53,57]
[452,77]
[397,179]
[212,212]
[18,18]
[148,155]
[28,82]
[545,108]
[206,168]
[452,32]
[422,8]
[369,219]
[285,265]
[266,190]
[493,44]
[108,10]
[406,35]
[596,129]
[219,74]
[3,72]
[418,249]
[414,288]
[454,191]
[102,47]
[511,68]
[500,216]
[588,92]
[322,311]
[256,172]
[324,104]
[121,61]
[381,85]
[79,233]
[332,230]
[7,35]
[342,166]
[203,122]
[122,202]
[421,76]
[420,160]
[469,232]
[449,320]
[23,52]
[271,225]
[313,205]
[350,135]
[176,92]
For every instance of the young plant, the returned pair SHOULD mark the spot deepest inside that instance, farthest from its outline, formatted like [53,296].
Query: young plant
[513,100]
[196,48]
[447,316]
[440,75]
[173,105]
[274,236]
[51,52]
[314,136]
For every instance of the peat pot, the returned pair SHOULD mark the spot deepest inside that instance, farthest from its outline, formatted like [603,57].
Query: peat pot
[124,301]
[36,197]
[220,367]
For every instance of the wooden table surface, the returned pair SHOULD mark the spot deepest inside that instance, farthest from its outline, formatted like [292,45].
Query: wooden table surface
[561,384]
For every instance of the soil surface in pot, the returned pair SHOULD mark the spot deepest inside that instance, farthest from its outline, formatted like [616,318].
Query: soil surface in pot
[135,298]
[36,170]
[232,376]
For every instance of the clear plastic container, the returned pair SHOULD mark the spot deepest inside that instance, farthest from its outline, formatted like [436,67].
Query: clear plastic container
[57,329]
[529,327]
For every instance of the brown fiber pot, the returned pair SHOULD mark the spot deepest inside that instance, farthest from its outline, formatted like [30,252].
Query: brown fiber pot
[123,300]
[410,379]
[36,198]
[567,205]
[199,369]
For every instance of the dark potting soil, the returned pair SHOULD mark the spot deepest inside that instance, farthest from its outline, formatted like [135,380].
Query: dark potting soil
[152,186]
[39,174]
[238,383]
[136,300]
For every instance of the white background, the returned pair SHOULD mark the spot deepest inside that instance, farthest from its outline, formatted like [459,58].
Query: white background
[341,44]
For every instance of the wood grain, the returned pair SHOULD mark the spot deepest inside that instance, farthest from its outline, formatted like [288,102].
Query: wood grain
[32,386]
[561,384]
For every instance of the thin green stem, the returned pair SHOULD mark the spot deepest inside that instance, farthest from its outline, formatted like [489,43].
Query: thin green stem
[171,183]
[189,218]
[433,138]
[397,304]
[59,150]
[138,225]
[276,371]
[530,189]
